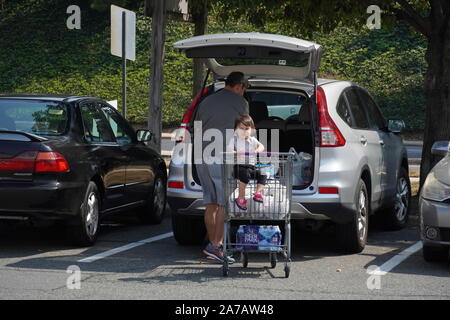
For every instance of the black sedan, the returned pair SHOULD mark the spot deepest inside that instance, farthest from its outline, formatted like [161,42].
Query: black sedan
[75,159]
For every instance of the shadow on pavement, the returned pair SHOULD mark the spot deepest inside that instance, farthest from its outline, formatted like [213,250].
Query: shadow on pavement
[165,261]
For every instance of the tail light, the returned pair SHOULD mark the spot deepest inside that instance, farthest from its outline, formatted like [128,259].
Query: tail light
[51,162]
[34,161]
[183,130]
[328,190]
[23,162]
[330,136]
[175,184]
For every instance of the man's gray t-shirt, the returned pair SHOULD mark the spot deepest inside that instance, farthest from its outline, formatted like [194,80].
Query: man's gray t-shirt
[219,111]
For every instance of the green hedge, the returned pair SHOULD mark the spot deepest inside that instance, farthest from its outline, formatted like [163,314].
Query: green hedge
[39,54]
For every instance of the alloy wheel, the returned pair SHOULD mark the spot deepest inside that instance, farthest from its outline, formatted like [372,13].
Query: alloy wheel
[402,197]
[92,214]
[362,216]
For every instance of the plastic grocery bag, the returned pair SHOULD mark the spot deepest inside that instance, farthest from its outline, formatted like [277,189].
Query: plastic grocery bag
[302,165]
[274,206]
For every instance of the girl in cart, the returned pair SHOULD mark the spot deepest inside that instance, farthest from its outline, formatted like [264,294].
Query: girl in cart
[244,141]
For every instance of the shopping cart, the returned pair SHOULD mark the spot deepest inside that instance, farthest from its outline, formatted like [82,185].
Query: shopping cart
[276,208]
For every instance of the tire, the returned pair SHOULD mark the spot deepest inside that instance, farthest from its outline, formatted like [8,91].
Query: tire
[352,237]
[153,211]
[435,254]
[83,230]
[225,269]
[396,216]
[273,260]
[244,259]
[287,271]
[188,230]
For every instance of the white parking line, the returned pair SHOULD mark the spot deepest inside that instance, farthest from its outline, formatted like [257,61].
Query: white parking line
[125,248]
[397,259]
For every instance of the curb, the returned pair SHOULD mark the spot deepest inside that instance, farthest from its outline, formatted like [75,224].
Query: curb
[413,143]
[414,161]
[167,135]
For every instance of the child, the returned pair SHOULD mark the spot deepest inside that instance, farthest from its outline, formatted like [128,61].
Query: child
[243,141]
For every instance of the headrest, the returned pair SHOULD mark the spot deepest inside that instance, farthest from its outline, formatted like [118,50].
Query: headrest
[258,111]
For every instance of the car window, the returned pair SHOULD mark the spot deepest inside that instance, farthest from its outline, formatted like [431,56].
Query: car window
[122,132]
[37,117]
[343,112]
[357,110]
[279,104]
[96,128]
[376,118]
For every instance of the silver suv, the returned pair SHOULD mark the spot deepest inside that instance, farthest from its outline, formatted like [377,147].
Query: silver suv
[358,166]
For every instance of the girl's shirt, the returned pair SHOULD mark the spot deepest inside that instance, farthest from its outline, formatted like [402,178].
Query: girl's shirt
[249,145]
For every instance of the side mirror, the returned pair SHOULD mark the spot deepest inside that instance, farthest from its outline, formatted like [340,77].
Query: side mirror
[396,126]
[144,135]
[440,148]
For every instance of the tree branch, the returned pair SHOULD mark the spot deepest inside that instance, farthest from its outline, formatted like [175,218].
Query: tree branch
[443,28]
[415,19]
[401,15]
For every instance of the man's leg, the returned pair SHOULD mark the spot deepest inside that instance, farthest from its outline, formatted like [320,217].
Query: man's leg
[210,222]
[219,226]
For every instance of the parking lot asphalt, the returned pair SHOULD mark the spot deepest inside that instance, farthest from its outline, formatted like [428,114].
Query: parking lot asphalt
[37,263]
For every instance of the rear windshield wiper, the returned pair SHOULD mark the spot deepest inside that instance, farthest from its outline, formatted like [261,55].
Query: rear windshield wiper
[30,136]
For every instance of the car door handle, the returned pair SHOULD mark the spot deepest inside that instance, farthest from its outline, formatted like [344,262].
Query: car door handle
[363,140]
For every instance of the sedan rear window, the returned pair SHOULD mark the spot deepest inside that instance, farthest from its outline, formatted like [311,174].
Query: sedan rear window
[32,116]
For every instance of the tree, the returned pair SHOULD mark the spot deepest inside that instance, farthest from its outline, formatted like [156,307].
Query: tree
[199,12]
[430,18]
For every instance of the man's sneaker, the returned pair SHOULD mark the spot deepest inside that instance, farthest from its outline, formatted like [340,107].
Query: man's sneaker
[213,253]
[230,259]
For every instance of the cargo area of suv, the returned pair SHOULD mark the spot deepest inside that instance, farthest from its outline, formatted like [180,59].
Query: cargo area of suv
[283,121]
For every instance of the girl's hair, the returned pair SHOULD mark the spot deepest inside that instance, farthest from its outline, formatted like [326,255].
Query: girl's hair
[246,121]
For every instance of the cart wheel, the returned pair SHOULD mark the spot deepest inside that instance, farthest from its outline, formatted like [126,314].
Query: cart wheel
[287,271]
[245,259]
[273,260]
[225,269]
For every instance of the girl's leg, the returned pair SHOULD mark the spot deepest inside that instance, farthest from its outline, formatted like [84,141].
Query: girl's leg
[242,187]
[259,188]
[261,179]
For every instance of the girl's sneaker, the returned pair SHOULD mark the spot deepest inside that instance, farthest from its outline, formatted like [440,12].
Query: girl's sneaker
[241,203]
[258,197]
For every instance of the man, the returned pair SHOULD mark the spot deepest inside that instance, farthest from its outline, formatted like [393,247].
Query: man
[218,111]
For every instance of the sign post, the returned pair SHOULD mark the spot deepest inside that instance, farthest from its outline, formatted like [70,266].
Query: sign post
[123,43]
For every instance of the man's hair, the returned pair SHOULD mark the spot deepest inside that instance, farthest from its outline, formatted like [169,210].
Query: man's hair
[235,78]
[246,121]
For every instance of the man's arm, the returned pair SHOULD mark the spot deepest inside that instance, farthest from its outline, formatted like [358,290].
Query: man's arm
[246,108]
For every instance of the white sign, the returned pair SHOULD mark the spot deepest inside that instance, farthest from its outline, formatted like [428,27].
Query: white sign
[116,32]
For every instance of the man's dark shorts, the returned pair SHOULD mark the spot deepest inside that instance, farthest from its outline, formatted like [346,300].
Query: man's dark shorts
[210,176]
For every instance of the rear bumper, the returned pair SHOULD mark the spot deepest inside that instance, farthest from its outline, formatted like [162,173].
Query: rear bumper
[40,200]
[315,206]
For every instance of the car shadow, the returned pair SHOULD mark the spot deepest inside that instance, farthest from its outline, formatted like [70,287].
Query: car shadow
[165,260]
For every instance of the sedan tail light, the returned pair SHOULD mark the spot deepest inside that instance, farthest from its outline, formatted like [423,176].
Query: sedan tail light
[51,162]
[34,161]
[23,162]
